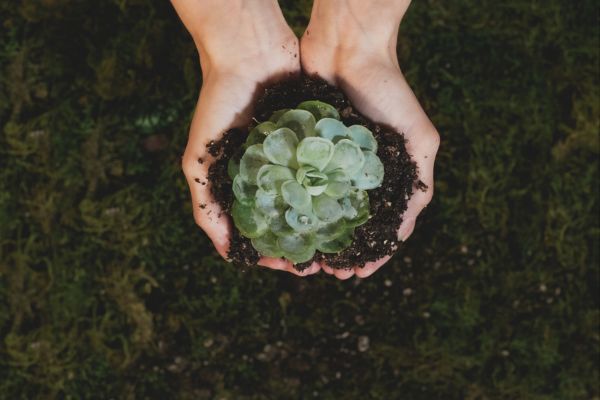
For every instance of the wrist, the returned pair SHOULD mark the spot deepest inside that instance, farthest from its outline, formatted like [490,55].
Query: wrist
[228,32]
[218,18]
[370,26]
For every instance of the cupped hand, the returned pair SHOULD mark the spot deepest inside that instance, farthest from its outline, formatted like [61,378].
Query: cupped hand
[245,48]
[363,63]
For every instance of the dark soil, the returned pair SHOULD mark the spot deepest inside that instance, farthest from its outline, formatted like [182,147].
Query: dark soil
[377,237]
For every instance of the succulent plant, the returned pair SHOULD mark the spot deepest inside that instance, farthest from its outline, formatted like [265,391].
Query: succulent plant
[301,183]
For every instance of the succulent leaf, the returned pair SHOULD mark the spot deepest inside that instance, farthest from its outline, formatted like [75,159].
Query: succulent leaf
[259,133]
[301,222]
[337,244]
[280,147]
[243,191]
[330,231]
[267,245]
[269,204]
[297,247]
[314,181]
[319,109]
[331,129]
[347,157]
[337,189]
[277,114]
[355,207]
[315,176]
[301,122]
[249,222]
[317,189]
[301,174]
[363,137]
[252,160]
[296,195]
[270,177]
[233,168]
[315,151]
[371,174]
[279,225]
[301,183]
[338,184]
[327,209]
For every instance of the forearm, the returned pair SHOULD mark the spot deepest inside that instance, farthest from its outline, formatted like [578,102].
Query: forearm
[223,29]
[203,18]
[358,23]
[374,11]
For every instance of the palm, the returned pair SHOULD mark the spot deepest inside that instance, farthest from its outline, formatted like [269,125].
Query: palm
[225,102]
[378,89]
[217,110]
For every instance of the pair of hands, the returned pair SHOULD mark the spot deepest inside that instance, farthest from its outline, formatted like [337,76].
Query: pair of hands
[349,43]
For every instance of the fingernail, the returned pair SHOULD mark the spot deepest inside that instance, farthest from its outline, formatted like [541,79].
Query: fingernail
[406,229]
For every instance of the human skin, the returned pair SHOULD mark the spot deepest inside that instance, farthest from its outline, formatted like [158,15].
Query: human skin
[352,44]
[234,39]
[342,44]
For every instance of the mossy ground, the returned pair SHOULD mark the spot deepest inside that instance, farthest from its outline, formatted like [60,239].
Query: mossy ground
[108,289]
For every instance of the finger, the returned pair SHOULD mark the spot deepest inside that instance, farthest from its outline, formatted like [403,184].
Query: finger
[275,263]
[285,265]
[313,269]
[207,212]
[422,146]
[423,149]
[211,119]
[419,199]
[344,274]
[214,223]
[371,267]
[406,229]
[327,269]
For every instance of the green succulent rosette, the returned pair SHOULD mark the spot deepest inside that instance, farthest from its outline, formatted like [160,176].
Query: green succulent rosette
[301,184]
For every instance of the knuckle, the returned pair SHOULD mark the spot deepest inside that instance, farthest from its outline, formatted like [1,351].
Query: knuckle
[431,140]
[427,196]
[344,276]
[188,164]
[198,219]
[363,272]
[199,216]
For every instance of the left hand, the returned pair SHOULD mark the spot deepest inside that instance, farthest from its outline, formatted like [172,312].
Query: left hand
[352,52]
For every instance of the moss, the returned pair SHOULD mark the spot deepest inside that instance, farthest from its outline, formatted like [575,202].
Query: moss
[109,290]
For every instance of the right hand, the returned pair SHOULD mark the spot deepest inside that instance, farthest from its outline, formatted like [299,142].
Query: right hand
[240,48]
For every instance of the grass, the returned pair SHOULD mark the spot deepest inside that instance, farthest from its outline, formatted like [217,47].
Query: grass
[108,289]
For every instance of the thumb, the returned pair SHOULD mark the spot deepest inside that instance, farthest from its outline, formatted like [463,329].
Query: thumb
[207,213]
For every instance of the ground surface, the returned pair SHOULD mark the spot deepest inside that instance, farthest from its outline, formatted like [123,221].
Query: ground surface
[108,289]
